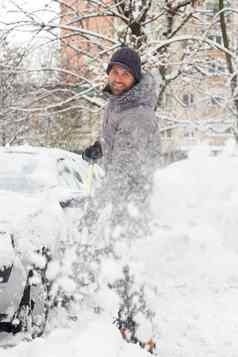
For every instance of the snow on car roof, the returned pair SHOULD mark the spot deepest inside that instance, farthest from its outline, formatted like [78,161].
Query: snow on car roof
[45,165]
[37,150]
[21,169]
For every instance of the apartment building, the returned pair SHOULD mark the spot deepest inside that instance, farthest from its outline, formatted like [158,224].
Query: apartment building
[201,102]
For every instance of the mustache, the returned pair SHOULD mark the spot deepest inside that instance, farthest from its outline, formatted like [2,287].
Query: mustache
[116,83]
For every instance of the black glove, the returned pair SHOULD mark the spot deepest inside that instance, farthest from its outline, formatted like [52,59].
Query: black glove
[93,152]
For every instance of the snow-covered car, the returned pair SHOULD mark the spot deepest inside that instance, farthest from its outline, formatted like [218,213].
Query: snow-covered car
[42,193]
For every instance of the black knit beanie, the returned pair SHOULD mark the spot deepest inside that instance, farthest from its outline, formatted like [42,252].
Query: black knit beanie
[129,59]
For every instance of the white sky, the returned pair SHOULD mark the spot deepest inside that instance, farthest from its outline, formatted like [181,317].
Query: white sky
[12,17]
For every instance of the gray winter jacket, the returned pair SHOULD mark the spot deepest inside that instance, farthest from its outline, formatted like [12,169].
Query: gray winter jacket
[131,143]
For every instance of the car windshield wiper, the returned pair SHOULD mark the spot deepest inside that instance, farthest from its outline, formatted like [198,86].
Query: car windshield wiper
[5,273]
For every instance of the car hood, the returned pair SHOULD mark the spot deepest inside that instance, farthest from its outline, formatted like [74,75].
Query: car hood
[16,207]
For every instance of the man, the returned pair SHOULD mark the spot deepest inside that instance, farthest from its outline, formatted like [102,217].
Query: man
[130,140]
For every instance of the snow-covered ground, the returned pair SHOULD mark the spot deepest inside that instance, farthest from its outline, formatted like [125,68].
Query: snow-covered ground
[188,265]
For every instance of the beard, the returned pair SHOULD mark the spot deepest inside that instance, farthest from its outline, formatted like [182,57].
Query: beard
[118,88]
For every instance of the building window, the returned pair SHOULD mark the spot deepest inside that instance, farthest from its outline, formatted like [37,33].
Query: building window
[215,38]
[229,131]
[189,134]
[169,133]
[216,68]
[216,100]
[188,99]
[212,7]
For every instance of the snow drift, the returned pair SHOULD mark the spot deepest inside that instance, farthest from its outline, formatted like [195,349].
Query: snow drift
[188,268]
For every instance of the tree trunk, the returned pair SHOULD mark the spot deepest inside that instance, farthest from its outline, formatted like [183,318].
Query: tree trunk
[229,62]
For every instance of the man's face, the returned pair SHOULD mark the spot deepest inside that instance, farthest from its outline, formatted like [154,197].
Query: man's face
[120,80]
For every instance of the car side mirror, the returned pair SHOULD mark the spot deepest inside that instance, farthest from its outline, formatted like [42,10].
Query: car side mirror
[70,203]
[72,200]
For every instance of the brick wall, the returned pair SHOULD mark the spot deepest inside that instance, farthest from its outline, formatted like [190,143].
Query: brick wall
[77,49]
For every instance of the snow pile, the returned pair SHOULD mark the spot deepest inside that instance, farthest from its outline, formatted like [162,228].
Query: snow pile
[196,265]
[187,271]
[96,338]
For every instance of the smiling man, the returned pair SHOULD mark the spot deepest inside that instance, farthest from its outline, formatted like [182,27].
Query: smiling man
[129,143]
[120,79]
[124,71]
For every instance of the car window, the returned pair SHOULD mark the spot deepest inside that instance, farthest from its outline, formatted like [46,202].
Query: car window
[12,164]
[68,176]
[16,170]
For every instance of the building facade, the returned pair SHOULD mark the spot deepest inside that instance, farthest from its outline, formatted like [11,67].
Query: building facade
[85,35]
[201,101]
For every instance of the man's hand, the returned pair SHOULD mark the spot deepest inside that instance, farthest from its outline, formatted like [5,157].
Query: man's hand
[93,152]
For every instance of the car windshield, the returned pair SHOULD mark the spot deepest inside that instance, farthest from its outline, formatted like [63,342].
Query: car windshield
[17,172]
